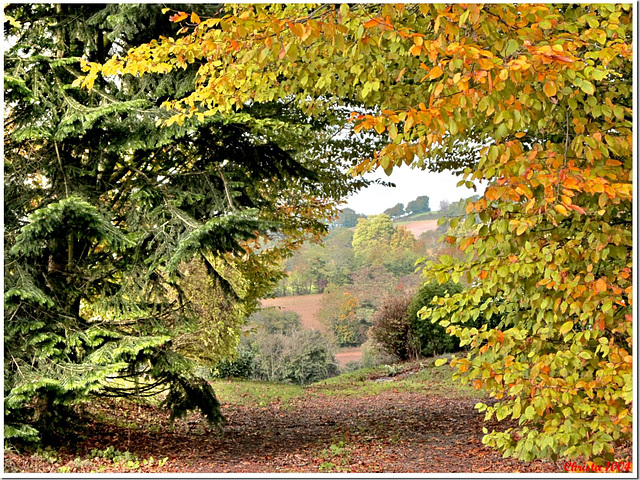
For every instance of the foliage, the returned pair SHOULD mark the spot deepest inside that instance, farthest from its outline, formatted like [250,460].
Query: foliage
[419,205]
[391,327]
[301,358]
[273,320]
[342,313]
[132,252]
[431,338]
[376,241]
[241,366]
[348,218]
[395,211]
[545,92]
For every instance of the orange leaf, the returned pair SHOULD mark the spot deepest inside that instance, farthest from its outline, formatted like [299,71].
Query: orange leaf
[600,285]
[178,17]
[477,384]
[371,23]
[561,209]
[435,72]
[550,88]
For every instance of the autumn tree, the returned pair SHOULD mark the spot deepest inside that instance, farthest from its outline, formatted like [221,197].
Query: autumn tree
[544,92]
[133,252]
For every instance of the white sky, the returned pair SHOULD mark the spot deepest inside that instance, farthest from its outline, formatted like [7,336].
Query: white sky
[410,183]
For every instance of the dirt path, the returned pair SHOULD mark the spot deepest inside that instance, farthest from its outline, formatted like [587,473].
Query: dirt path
[387,433]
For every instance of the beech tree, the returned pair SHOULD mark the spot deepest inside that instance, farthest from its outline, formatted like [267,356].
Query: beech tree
[544,93]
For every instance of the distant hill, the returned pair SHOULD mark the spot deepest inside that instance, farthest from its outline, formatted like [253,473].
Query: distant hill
[418,226]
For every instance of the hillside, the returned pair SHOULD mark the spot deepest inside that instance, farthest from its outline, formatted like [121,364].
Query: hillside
[418,226]
[306,306]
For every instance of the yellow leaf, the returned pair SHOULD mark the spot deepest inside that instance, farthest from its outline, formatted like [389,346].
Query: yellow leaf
[165,10]
[550,89]
[566,327]
[561,209]
[195,18]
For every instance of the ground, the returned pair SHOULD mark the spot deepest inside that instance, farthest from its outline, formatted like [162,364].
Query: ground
[365,421]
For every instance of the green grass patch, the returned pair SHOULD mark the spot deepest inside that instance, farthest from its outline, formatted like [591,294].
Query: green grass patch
[417,217]
[421,377]
[417,377]
[255,392]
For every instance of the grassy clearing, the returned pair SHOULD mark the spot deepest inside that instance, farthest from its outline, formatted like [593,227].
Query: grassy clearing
[417,377]
[255,393]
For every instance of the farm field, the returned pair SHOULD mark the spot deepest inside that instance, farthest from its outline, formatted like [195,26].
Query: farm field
[419,226]
[306,306]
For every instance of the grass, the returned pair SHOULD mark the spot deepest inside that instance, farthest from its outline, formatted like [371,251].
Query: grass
[255,392]
[416,217]
[418,377]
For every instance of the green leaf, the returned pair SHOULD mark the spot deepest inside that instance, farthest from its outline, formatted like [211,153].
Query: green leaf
[566,327]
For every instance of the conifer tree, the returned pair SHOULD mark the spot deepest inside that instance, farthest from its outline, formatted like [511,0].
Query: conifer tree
[134,252]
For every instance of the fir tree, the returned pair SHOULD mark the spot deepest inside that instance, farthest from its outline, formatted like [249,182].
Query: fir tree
[134,252]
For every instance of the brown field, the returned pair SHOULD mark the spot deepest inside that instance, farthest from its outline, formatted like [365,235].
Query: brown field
[307,307]
[420,226]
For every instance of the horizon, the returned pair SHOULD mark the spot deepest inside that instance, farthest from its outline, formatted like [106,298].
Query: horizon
[410,184]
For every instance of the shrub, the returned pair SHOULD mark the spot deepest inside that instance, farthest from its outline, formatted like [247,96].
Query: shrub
[301,358]
[373,354]
[392,328]
[240,367]
[308,358]
[431,338]
[277,321]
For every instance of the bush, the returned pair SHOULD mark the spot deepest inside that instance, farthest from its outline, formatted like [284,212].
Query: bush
[308,358]
[392,328]
[277,321]
[431,338]
[240,367]
[373,355]
[303,357]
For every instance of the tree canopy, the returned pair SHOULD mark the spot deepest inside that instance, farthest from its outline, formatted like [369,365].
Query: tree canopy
[132,252]
[544,94]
